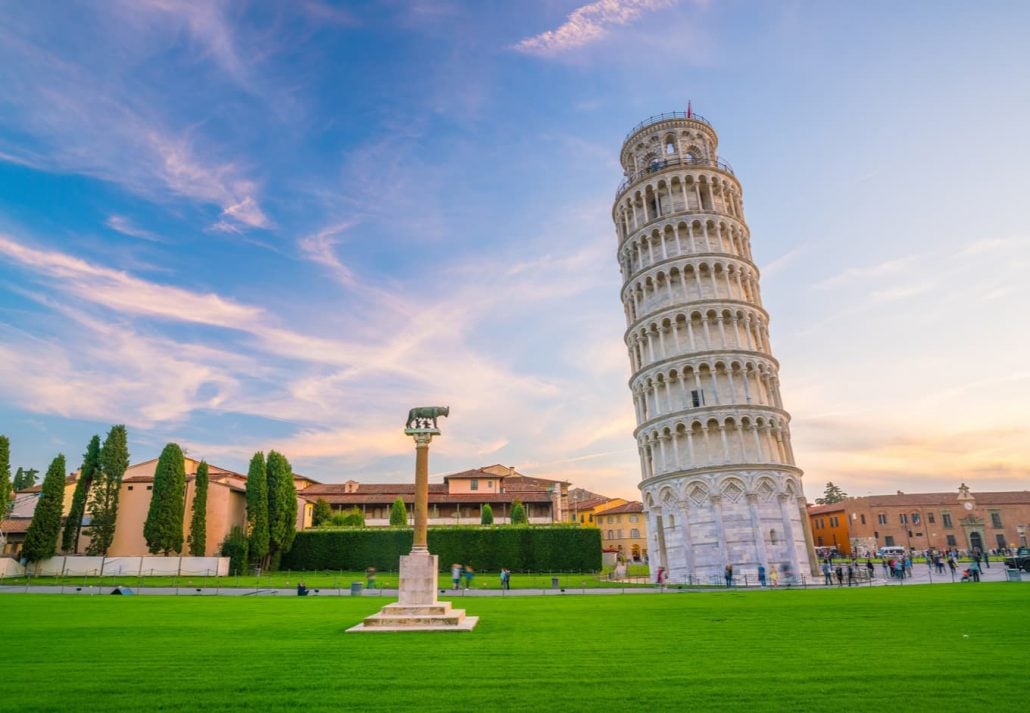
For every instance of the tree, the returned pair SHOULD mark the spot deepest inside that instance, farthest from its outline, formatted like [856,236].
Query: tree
[87,473]
[486,517]
[833,494]
[518,514]
[282,507]
[163,527]
[398,513]
[103,500]
[348,518]
[323,512]
[24,479]
[257,509]
[41,538]
[6,489]
[198,523]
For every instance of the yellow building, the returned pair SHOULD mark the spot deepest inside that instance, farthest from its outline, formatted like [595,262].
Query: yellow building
[623,529]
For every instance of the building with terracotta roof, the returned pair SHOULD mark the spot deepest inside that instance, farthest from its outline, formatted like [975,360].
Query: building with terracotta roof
[458,500]
[965,521]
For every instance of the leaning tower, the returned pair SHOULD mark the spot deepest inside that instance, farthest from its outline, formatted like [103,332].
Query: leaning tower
[718,477]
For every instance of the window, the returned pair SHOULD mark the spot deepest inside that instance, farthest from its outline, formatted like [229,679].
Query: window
[672,521]
[590,517]
[474,485]
[834,521]
[951,541]
[946,521]
[611,519]
[490,484]
[996,519]
[876,534]
[150,487]
[915,518]
[611,534]
[634,518]
[882,518]
[888,541]
[930,518]
[620,533]
[697,397]
[819,540]
[1000,539]
[130,487]
[635,533]
[862,518]
[903,519]
[772,537]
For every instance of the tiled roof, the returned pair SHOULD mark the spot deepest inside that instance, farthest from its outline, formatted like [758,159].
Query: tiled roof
[631,507]
[16,525]
[588,504]
[435,496]
[823,509]
[940,499]
[476,473]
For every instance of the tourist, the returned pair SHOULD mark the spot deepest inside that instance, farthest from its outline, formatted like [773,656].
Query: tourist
[505,578]
[886,567]
[974,570]
[840,576]
[827,579]
[899,569]
[952,565]
[761,575]
[469,574]
[370,577]
[987,561]
[729,575]
[869,566]
[456,574]
[660,579]
[851,575]
[302,590]
[774,575]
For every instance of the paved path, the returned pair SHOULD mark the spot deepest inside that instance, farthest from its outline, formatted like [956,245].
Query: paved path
[921,575]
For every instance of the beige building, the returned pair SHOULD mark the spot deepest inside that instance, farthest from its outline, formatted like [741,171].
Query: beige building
[226,508]
[458,500]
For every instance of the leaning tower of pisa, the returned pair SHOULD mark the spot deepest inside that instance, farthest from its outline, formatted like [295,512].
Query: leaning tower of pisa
[718,477]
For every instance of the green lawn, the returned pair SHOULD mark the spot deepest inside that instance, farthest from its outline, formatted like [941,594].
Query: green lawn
[940,648]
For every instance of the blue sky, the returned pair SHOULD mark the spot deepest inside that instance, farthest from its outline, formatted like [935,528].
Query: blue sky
[245,226]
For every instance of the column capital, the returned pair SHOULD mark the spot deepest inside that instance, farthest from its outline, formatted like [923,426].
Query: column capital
[422,438]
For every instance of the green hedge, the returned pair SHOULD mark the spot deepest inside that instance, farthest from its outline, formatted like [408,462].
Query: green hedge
[538,549]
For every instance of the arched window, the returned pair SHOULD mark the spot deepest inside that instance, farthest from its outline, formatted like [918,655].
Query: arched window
[672,521]
[611,534]
[772,537]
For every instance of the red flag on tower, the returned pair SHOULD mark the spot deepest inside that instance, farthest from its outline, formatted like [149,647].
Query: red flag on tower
[690,111]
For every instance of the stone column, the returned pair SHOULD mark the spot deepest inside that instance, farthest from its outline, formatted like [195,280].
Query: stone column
[788,534]
[421,539]
[756,528]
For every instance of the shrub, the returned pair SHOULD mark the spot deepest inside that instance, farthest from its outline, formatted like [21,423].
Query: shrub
[348,518]
[323,512]
[485,548]
[518,513]
[235,547]
[487,516]
[398,514]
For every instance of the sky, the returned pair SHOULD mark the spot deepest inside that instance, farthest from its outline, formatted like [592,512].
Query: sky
[245,226]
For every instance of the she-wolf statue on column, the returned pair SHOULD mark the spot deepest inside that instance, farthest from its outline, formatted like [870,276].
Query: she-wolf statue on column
[421,416]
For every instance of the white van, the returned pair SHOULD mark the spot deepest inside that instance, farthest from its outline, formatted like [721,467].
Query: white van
[889,552]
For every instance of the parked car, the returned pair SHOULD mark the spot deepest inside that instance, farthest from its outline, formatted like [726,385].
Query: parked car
[1021,560]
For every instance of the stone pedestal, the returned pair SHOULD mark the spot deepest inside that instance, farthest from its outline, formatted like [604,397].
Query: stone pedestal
[416,608]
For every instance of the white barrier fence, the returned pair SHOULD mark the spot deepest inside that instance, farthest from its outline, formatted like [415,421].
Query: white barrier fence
[118,566]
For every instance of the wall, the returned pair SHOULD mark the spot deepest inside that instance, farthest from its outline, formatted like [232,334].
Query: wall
[128,566]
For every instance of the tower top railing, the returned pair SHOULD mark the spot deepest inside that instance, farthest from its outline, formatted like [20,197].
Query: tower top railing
[658,165]
[668,115]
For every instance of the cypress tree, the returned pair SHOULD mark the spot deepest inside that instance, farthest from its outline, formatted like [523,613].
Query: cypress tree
[24,479]
[41,538]
[163,527]
[6,490]
[19,478]
[282,506]
[257,508]
[518,514]
[88,471]
[107,483]
[198,524]
[398,513]
[323,512]
[487,515]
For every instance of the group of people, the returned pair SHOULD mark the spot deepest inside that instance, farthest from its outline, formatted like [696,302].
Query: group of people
[460,572]
[773,575]
[848,572]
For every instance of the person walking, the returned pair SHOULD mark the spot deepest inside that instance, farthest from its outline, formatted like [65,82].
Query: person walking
[840,576]
[851,575]
[774,575]
[469,574]
[729,575]
[505,578]
[370,577]
[456,574]
[761,575]
[827,579]
[886,567]
[987,560]
[974,570]
[869,566]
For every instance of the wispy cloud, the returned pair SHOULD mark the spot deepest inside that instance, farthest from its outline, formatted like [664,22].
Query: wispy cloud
[855,274]
[320,248]
[588,24]
[125,226]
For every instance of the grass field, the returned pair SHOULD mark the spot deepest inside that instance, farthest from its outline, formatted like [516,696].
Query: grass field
[930,648]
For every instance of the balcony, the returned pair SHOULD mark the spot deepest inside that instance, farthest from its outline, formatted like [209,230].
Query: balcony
[656,166]
[667,115]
